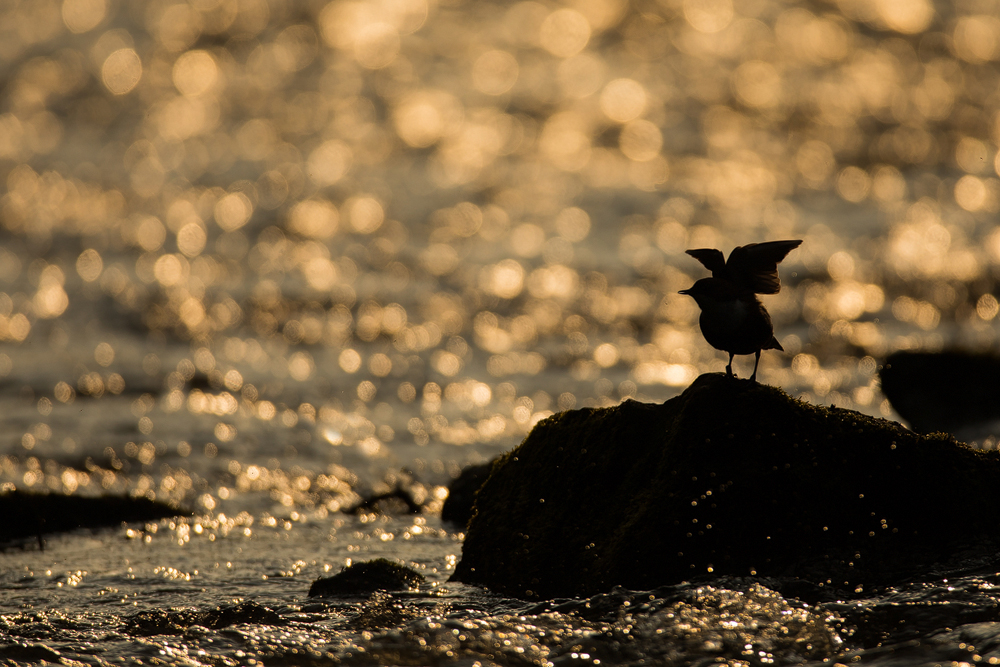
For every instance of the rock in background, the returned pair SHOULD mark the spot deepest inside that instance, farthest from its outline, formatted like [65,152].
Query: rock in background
[32,515]
[953,391]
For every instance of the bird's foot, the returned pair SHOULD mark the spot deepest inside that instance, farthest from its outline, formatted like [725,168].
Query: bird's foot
[756,363]
[729,371]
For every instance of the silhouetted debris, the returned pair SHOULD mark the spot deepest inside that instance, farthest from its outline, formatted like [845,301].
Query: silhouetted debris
[729,478]
[942,391]
[28,515]
[367,577]
[399,500]
[202,382]
[457,507]
[160,622]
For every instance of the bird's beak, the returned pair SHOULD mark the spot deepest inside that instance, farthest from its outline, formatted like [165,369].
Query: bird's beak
[685,291]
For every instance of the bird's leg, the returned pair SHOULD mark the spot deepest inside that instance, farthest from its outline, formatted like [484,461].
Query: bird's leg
[729,366]
[753,378]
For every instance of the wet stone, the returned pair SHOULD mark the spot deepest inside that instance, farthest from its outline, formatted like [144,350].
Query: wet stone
[161,622]
[367,577]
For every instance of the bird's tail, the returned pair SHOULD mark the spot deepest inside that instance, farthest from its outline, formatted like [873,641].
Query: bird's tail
[773,344]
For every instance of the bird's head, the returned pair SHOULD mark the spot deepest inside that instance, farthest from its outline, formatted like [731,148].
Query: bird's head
[710,291]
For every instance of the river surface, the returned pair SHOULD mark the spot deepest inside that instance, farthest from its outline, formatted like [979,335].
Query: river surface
[267,260]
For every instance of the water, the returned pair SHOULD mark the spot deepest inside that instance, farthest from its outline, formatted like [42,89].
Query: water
[266,260]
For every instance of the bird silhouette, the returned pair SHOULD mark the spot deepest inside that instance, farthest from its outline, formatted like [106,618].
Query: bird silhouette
[732,317]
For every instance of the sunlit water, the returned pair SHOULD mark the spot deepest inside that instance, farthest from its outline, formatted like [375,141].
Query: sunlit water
[267,259]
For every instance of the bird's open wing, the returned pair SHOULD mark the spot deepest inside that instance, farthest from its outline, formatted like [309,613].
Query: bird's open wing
[712,259]
[755,266]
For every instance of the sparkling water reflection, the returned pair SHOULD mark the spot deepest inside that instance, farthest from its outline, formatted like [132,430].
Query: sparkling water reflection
[272,261]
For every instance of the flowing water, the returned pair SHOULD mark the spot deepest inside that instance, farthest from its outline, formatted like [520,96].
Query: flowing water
[267,260]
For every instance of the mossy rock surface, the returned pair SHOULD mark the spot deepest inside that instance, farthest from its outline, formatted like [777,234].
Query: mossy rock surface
[162,622]
[729,478]
[367,577]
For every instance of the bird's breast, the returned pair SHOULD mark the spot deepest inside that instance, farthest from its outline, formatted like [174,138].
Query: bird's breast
[740,326]
[727,313]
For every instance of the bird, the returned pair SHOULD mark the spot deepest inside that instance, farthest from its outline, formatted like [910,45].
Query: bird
[732,317]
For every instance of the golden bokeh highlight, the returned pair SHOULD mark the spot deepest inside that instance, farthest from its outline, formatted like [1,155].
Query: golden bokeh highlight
[233,210]
[573,223]
[121,71]
[505,279]
[89,265]
[623,100]
[169,270]
[350,361]
[816,162]
[104,354]
[757,84]
[376,45]
[987,307]
[313,218]
[195,73]
[295,48]
[905,16]
[565,141]
[83,15]
[150,233]
[974,156]
[977,38]
[51,299]
[328,162]
[582,75]
[423,117]
[191,239]
[640,140]
[176,26]
[564,33]
[971,193]
[708,16]
[494,72]
[853,184]
[365,214]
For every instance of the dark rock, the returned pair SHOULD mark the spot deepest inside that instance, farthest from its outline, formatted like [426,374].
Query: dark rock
[729,478]
[367,577]
[29,515]
[942,391]
[457,506]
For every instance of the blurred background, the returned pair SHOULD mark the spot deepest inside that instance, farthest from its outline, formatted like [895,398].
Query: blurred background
[263,245]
